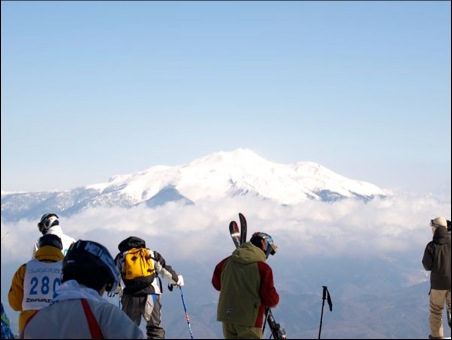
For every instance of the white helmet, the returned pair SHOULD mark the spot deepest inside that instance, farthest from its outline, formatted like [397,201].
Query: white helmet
[48,221]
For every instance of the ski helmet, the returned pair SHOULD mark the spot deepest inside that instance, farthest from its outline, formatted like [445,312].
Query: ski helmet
[86,259]
[47,222]
[264,242]
[50,240]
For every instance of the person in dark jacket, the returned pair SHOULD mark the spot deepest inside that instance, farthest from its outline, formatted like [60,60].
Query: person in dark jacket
[141,297]
[437,260]
[246,288]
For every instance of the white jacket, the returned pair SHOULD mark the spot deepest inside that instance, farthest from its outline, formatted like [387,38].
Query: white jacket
[65,239]
[66,319]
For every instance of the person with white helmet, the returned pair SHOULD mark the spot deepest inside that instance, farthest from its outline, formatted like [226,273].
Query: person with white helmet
[79,311]
[437,260]
[245,282]
[50,224]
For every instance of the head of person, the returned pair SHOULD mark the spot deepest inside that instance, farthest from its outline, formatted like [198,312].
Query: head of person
[91,265]
[438,222]
[48,221]
[50,240]
[264,242]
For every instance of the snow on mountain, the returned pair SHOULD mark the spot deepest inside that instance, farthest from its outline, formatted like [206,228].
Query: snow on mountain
[215,176]
[238,172]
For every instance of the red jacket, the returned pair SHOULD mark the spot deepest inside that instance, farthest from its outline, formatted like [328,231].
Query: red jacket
[246,287]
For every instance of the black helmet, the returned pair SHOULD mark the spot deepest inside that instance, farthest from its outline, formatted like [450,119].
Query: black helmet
[131,242]
[47,222]
[50,240]
[264,242]
[85,261]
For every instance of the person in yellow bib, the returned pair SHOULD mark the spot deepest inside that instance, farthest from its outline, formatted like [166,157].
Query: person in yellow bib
[34,283]
[79,311]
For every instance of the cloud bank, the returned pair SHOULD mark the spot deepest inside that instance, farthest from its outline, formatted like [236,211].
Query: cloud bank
[382,227]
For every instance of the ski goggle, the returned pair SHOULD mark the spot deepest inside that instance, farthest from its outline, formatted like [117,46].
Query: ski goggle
[46,221]
[103,254]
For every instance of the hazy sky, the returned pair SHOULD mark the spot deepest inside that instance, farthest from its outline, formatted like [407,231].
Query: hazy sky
[94,89]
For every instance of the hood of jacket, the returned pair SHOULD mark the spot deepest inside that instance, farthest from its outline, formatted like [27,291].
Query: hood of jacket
[441,236]
[248,253]
[49,253]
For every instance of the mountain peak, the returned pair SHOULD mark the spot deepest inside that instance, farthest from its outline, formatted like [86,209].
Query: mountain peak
[237,156]
[240,172]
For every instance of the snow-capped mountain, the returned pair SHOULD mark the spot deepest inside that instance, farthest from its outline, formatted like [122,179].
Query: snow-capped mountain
[218,175]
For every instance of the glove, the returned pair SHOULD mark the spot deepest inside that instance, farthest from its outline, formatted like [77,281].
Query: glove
[118,291]
[180,281]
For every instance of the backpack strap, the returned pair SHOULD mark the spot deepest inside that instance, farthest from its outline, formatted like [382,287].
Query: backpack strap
[96,332]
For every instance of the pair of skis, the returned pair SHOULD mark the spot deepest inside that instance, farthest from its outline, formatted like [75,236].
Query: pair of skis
[238,236]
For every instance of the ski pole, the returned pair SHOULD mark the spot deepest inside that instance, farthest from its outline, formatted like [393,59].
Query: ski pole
[321,314]
[326,295]
[186,313]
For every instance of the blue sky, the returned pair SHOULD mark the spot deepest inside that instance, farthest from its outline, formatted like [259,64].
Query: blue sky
[94,89]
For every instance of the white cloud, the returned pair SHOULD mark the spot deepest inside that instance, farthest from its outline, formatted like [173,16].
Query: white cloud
[376,228]
[311,237]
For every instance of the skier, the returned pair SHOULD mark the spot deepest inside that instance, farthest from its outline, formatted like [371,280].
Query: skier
[142,295]
[50,224]
[7,333]
[245,282]
[79,311]
[33,285]
[437,260]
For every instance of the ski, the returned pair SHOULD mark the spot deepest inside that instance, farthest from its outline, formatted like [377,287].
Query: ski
[235,233]
[239,237]
[243,228]
[275,327]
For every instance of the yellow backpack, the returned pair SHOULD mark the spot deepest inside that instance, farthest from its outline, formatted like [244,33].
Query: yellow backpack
[138,264]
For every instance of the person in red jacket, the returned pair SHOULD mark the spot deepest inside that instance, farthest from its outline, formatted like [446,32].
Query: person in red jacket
[245,282]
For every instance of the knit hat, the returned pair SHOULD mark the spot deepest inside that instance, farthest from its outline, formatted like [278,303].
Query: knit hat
[438,222]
